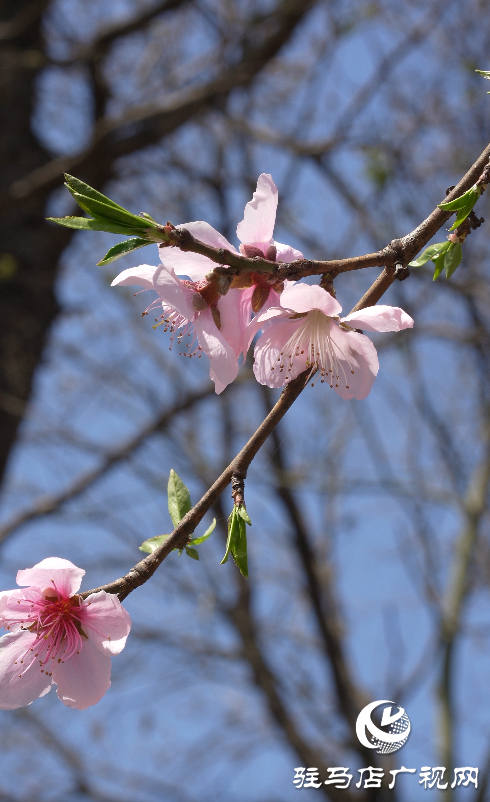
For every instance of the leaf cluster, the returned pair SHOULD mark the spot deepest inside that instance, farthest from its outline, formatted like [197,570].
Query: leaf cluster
[236,543]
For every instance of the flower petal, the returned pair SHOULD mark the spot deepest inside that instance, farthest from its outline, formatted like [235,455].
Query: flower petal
[269,358]
[224,363]
[259,216]
[305,297]
[173,292]
[18,691]
[105,621]
[142,275]
[53,571]
[234,319]
[380,318]
[84,678]
[186,264]
[285,253]
[354,352]
[260,322]
[207,234]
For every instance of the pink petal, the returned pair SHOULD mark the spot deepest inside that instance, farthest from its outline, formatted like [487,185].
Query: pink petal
[285,253]
[207,234]
[53,571]
[4,597]
[268,359]
[380,318]
[186,264]
[142,276]
[259,322]
[234,319]
[259,217]
[354,352]
[224,363]
[18,691]
[84,678]
[305,297]
[173,292]
[106,622]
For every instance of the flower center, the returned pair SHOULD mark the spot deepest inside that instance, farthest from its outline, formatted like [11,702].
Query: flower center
[323,353]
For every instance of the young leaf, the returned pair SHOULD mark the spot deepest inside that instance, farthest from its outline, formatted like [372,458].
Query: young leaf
[458,203]
[75,185]
[153,542]
[239,547]
[439,263]
[430,253]
[179,498]
[121,249]
[242,512]
[452,259]
[485,73]
[98,209]
[192,552]
[96,224]
[232,533]
[464,212]
[197,540]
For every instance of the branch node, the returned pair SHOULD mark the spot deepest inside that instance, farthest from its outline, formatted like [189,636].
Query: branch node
[401,272]
[326,282]
[238,489]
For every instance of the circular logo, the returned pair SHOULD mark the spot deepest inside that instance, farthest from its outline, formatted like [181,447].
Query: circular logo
[396,727]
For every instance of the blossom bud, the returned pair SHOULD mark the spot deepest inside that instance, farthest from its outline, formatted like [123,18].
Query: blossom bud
[251,251]
[271,253]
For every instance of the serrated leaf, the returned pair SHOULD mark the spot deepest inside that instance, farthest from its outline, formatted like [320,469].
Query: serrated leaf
[197,540]
[430,253]
[116,214]
[121,249]
[242,512]
[75,185]
[452,259]
[92,224]
[152,543]
[192,552]
[459,203]
[179,498]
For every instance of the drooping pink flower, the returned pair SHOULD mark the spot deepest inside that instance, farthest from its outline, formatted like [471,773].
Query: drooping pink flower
[255,234]
[194,311]
[56,637]
[306,331]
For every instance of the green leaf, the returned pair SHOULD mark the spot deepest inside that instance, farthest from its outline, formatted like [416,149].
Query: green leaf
[232,533]
[239,547]
[459,203]
[192,552]
[179,498]
[96,224]
[75,185]
[105,211]
[430,253]
[452,259]
[121,249]
[242,512]
[439,264]
[153,542]
[464,212]
[485,73]
[195,541]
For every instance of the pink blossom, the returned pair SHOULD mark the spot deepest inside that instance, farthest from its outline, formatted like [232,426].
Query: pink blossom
[203,321]
[255,234]
[305,331]
[55,636]
[453,237]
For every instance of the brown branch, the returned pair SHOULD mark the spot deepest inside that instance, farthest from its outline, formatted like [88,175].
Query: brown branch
[143,570]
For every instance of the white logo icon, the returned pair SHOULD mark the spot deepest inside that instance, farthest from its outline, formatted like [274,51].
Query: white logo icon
[384,742]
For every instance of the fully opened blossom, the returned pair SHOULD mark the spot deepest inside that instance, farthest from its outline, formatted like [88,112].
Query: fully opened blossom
[56,637]
[306,331]
[255,234]
[194,312]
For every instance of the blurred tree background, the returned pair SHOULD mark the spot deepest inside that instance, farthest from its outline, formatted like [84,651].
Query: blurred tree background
[370,549]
